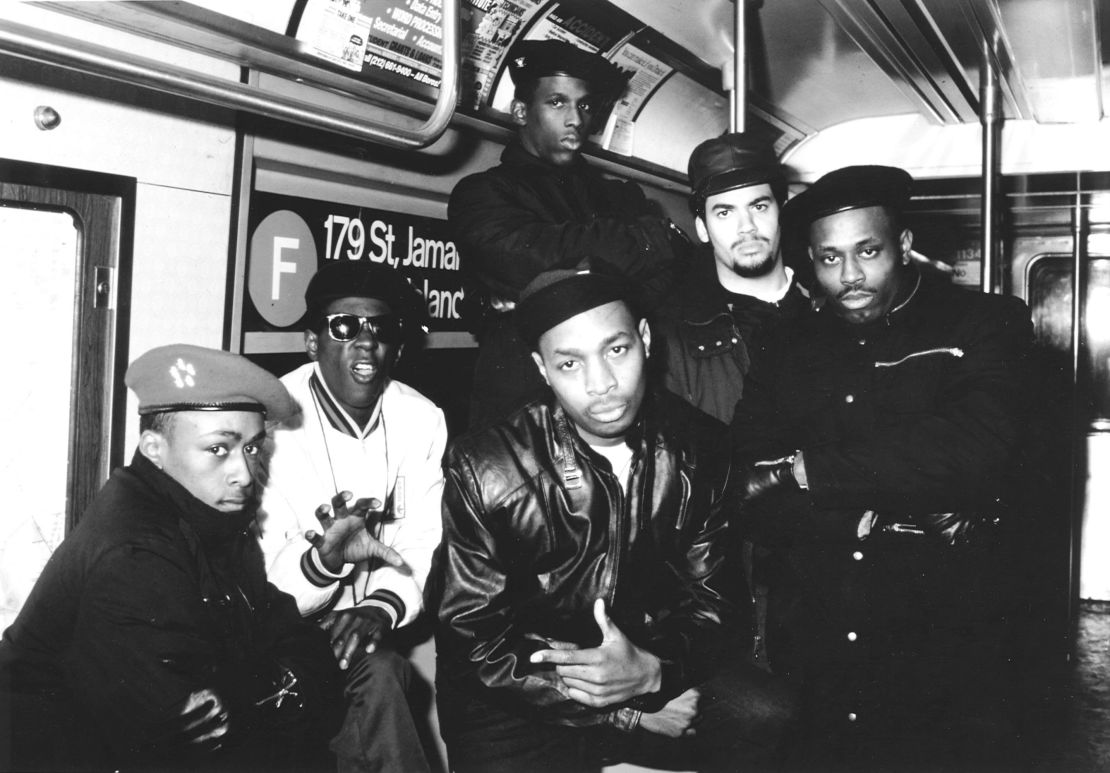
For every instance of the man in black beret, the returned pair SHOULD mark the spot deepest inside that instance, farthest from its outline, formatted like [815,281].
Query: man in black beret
[367,443]
[878,438]
[152,639]
[545,208]
[738,289]
[582,586]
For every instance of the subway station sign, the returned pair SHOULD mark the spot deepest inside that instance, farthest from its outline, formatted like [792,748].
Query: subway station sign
[291,237]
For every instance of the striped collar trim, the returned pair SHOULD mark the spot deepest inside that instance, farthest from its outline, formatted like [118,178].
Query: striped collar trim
[333,412]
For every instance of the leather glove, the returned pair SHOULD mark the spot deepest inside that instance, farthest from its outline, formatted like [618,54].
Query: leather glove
[954,529]
[764,477]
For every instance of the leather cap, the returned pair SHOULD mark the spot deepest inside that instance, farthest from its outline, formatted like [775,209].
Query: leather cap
[182,377]
[557,295]
[530,60]
[364,279]
[732,161]
[853,187]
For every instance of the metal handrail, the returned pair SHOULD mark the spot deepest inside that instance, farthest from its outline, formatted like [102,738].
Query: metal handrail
[81,55]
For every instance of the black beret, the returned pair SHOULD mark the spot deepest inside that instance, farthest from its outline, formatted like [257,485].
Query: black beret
[853,187]
[365,279]
[530,60]
[731,161]
[181,377]
[555,296]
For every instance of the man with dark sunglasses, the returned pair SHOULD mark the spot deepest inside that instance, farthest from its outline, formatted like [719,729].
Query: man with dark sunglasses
[369,444]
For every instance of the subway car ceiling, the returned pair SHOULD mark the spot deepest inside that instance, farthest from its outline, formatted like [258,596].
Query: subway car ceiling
[832,82]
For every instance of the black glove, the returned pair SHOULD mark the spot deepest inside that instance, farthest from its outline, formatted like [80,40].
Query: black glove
[762,478]
[954,529]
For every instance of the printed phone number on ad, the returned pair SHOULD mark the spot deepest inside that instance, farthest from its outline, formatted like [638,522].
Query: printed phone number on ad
[385,64]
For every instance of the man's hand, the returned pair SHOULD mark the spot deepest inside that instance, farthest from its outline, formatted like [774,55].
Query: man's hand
[613,672]
[346,537]
[200,724]
[676,719]
[350,628]
[761,478]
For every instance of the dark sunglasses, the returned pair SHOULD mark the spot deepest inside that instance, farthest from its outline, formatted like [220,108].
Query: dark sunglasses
[386,328]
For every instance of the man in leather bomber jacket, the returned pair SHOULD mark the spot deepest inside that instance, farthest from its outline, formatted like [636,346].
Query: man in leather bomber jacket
[582,611]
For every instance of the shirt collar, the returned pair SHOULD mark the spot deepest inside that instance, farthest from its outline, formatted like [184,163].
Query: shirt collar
[334,413]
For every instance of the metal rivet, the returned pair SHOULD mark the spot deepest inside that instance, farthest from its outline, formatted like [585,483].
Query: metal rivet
[849,399]
[718,343]
[852,636]
[858,555]
[47,118]
[701,347]
[851,716]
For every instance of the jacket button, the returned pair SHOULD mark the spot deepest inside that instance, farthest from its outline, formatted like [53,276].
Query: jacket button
[701,347]
[862,342]
[849,398]
[852,636]
[858,555]
[852,716]
[736,340]
[717,343]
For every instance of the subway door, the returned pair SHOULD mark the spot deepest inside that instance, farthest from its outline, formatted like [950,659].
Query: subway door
[61,232]
[1046,268]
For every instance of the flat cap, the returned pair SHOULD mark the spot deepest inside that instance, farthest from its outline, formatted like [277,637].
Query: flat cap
[530,60]
[555,296]
[732,161]
[181,377]
[365,279]
[853,187]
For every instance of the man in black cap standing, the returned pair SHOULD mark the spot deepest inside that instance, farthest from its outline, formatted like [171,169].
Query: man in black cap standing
[365,442]
[152,639]
[545,208]
[582,582]
[739,289]
[879,437]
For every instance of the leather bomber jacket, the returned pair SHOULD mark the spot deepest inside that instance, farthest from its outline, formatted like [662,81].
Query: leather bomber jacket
[536,527]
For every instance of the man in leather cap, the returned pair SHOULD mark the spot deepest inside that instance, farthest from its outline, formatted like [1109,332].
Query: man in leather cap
[738,289]
[877,438]
[582,580]
[544,207]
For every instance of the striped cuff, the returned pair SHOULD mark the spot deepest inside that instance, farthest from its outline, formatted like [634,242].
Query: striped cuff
[313,569]
[388,601]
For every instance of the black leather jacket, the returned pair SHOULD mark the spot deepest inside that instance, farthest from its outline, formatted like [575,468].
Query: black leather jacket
[536,527]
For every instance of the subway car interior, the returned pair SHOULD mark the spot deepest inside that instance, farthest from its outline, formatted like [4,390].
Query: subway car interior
[174,172]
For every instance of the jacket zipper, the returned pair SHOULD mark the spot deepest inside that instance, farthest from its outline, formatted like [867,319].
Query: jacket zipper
[955,351]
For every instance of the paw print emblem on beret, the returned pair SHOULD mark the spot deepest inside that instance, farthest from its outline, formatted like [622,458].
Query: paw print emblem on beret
[183,374]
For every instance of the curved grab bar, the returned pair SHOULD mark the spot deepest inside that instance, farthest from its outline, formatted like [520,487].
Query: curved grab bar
[53,49]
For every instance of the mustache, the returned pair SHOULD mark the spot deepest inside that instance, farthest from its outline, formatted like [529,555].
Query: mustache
[751,240]
[849,290]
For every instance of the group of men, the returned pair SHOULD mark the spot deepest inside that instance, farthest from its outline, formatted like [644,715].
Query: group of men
[661,436]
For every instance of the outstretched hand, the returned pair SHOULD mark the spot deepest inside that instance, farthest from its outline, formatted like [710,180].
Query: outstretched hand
[614,671]
[346,537]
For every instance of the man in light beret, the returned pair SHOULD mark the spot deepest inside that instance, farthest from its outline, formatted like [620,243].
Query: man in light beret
[152,640]
[876,444]
[359,433]
[582,585]
[544,207]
